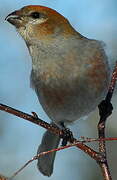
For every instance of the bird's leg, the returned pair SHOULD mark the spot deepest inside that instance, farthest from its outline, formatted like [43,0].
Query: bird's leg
[67,135]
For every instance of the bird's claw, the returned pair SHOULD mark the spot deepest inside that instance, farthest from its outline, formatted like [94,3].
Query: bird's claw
[67,136]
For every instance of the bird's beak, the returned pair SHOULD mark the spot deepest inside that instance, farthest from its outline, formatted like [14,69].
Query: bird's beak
[14,18]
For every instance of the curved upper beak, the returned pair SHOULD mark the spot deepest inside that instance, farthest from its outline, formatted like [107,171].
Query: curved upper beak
[14,18]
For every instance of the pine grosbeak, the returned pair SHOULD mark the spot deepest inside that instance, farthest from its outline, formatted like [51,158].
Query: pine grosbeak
[70,73]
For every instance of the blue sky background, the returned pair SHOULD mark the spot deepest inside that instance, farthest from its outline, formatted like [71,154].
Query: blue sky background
[19,139]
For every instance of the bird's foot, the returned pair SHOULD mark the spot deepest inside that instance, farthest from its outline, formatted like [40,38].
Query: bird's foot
[67,135]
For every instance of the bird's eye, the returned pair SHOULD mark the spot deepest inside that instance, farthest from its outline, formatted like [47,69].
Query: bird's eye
[35,15]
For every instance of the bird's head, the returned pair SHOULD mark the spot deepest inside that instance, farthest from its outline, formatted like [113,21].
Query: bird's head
[38,22]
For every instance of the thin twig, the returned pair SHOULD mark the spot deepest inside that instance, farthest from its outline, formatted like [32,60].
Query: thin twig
[44,153]
[105,110]
[41,154]
[85,140]
[32,118]
[55,130]
[113,82]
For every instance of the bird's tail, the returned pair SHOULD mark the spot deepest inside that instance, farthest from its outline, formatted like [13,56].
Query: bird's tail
[45,163]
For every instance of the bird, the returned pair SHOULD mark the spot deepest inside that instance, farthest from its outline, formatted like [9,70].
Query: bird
[70,72]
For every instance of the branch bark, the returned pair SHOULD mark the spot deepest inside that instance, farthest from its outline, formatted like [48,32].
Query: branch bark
[105,110]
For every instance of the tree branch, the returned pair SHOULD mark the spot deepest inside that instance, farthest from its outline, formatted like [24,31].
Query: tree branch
[34,119]
[105,110]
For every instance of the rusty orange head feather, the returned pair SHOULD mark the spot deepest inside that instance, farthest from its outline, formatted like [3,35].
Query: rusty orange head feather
[41,21]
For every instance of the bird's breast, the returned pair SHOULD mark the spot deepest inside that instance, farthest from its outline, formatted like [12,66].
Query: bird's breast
[70,83]
[67,94]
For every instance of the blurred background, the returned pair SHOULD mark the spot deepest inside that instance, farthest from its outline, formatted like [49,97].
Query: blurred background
[19,139]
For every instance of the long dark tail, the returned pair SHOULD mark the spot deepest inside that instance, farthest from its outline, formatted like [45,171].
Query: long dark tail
[45,163]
